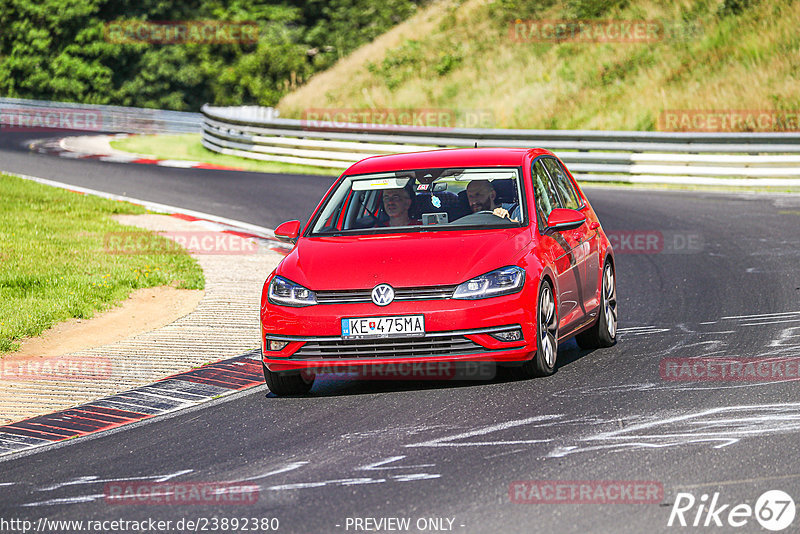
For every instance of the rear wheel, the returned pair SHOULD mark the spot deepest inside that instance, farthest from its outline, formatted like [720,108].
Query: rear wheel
[544,362]
[604,331]
[288,384]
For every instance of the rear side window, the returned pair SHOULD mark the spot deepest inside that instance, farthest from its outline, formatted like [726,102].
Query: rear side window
[546,197]
[562,183]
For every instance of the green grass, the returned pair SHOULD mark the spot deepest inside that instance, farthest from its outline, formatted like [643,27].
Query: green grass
[188,147]
[53,265]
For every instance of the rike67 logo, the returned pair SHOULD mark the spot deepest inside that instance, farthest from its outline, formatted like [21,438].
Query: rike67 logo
[774,510]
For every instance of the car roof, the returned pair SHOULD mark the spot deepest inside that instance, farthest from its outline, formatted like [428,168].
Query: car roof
[455,157]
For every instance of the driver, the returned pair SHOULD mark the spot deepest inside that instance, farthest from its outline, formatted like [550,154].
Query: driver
[396,204]
[481,196]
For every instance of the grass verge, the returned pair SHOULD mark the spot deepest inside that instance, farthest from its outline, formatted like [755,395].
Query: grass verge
[189,147]
[480,64]
[52,260]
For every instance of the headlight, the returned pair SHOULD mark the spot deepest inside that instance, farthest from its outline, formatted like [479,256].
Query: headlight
[503,281]
[287,293]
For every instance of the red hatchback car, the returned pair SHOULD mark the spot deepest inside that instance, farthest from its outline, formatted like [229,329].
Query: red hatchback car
[485,254]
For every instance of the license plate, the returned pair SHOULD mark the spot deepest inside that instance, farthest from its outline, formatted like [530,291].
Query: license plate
[401,325]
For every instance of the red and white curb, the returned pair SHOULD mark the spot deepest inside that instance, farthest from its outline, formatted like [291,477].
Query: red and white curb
[168,395]
[63,148]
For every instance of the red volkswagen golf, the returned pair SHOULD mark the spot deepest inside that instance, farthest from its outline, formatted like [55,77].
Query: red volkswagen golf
[443,256]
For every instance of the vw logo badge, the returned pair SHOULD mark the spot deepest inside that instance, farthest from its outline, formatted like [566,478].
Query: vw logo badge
[383,295]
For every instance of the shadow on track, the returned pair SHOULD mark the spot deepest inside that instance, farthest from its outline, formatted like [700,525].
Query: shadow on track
[331,385]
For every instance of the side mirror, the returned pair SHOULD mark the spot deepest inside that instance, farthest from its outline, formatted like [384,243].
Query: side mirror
[565,219]
[288,231]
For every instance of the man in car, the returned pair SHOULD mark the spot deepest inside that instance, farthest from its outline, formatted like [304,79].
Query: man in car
[481,196]
[396,204]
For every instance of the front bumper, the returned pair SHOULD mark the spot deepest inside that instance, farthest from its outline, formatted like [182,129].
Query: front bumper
[455,330]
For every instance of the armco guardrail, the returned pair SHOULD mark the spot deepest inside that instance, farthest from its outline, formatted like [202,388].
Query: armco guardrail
[25,114]
[637,157]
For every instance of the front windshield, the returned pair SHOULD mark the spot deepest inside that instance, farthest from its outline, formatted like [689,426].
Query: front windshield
[423,200]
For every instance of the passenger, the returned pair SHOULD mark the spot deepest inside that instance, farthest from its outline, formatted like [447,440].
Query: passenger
[397,204]
[481,196]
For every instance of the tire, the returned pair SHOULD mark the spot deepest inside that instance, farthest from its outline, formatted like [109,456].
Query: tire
[282,384]
[544,361]
[604,331]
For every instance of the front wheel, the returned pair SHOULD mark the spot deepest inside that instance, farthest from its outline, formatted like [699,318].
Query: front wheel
[282,384]
[604,331]
[544,362]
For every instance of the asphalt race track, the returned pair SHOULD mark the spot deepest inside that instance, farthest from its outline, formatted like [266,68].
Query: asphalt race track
[721,281]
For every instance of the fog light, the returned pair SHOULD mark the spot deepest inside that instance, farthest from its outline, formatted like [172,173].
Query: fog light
[508,335]
[277,345]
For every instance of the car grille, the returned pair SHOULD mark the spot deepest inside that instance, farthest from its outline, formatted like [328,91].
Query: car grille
[400,293]
[388,348]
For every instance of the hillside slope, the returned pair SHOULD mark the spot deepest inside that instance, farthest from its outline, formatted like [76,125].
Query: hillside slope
[464,56]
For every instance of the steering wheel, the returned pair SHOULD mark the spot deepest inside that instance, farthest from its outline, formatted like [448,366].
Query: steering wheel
[473,218]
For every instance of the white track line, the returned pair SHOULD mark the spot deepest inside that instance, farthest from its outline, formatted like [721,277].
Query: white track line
[761,315]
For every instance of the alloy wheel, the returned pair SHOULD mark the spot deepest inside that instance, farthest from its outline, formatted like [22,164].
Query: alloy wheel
[548,326]
[610,301]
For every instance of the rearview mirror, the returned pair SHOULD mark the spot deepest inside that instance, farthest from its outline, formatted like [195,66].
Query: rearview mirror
[288,231]
[565,219]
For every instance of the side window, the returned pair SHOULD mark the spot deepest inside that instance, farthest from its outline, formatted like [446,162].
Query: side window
[563,183]
[361,204]
[546,196]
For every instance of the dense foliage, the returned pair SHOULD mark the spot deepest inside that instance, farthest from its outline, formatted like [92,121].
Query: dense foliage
[61,50]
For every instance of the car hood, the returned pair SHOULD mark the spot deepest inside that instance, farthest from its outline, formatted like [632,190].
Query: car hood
[401,260]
